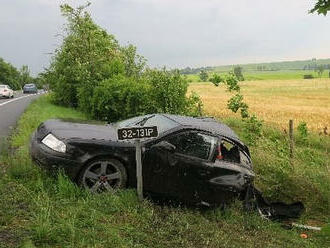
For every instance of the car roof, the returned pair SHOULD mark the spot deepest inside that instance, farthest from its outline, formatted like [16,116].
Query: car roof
[204,123]
[4,85]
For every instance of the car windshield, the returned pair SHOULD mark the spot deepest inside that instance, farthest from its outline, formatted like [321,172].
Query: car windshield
[163,123]
[29,85]
[2,86]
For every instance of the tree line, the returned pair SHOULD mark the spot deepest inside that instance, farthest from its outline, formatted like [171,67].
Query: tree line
[316,67]
[237,72]
[15,78]
[189,70]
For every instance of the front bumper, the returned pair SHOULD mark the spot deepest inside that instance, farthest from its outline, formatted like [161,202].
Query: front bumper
[7,94]
[52,160]
[29,91]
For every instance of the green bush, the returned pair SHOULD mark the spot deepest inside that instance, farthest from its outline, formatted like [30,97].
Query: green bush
[252,129]
[303,130]
[308,76]
[168,91]
[158,91]
[120,97]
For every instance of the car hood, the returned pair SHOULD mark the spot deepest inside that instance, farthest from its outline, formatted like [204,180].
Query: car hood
[71,129]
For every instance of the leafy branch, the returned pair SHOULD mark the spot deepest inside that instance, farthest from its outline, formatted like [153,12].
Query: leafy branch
[252,126]
[321,7]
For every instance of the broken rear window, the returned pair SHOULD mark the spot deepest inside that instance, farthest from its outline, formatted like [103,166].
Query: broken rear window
[228,152]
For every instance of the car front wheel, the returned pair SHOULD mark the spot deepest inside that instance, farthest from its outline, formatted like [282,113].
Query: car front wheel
[103,175]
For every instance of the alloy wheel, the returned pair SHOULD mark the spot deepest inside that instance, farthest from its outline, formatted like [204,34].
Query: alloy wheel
[104,176]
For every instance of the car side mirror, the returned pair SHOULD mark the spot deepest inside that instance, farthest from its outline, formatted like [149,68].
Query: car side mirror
[164,145]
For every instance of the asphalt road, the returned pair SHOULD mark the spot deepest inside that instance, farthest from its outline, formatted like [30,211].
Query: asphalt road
[11,110]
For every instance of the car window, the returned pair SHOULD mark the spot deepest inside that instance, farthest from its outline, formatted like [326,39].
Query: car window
[228,151]
[194,144]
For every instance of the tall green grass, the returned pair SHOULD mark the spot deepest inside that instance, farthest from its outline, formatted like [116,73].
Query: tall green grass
[38,210]
[304,178]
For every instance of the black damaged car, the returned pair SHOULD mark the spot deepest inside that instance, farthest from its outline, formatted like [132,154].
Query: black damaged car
[194,160]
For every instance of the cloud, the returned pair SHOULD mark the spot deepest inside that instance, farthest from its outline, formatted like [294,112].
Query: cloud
[172,32]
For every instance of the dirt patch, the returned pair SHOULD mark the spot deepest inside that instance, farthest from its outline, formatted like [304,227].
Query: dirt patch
[9,238]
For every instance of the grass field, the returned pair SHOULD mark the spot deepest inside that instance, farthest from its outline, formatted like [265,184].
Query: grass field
[280,65]
[37,210]
[251,75]
[275,101]
[281,75]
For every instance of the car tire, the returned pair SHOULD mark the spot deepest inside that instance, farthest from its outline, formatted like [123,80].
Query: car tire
[103,175]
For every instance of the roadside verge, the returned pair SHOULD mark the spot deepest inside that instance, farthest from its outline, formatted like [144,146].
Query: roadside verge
[40,210]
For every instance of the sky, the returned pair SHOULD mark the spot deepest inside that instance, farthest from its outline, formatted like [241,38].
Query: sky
[173,33]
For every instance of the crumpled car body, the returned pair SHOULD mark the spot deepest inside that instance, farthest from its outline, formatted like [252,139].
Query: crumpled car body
[195,160]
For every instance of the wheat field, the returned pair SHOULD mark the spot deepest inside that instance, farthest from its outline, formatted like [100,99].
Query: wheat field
[274,101]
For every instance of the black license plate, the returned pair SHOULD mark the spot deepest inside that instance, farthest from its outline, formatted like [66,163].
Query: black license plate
[137,133]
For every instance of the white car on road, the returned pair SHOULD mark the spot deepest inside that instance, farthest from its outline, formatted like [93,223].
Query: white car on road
[6,91]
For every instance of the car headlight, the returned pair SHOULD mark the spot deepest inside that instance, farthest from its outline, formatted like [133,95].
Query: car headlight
[53,143]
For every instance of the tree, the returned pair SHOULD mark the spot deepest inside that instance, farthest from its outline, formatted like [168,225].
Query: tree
[216,79]
[87,56]
[203,75]
[107,81]
[9,75]
[319,69]
[321,7]
[238,73]
[24,75]
[252,126]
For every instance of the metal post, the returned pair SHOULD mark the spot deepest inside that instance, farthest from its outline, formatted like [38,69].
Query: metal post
[291,139]
[200,109]
[139,178]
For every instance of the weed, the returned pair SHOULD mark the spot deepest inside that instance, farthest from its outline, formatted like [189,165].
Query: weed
[302,130]
[252,130]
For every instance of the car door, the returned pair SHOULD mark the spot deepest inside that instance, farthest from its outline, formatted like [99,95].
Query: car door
[160,176]
[182,171]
